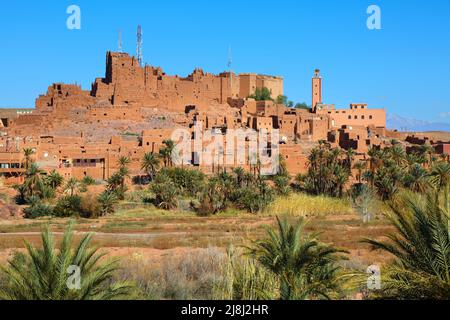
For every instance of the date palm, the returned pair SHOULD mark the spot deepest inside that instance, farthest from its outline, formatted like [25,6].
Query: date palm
[28,152]
[417,179]
[107,201]
[166,152]
[42,273]
[34,183]
[54,180]
[421,247]
[150,164]
[71,186]
[360,167]
[305,267]
[350,157]
[440,179]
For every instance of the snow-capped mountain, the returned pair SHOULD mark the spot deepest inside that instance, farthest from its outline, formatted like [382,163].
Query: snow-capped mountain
[406,124]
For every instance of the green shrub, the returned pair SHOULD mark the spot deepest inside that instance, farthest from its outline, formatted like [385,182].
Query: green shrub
[68,206]
[190,182]
[252,199]
[165,191]
[38,210]
[282,185]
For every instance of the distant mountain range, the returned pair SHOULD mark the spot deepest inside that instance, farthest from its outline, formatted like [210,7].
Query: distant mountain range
[406,124]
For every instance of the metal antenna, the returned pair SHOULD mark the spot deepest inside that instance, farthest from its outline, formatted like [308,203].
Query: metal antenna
[229,64]
[140,42]
[230,58]
[120,41]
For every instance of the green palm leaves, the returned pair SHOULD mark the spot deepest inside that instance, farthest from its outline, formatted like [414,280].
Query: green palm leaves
[305,267]
[421,247]
[42,273]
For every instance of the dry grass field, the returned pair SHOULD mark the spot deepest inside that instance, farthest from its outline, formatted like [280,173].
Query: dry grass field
[153,234]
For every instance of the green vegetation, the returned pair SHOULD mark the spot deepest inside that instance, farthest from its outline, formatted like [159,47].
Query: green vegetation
[304,267]
[44,273]
[421,247]
[261,94]
[328,171]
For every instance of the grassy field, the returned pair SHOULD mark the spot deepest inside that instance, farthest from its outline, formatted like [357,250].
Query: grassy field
[147,230]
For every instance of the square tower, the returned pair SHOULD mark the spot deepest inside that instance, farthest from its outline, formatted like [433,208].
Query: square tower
[316,90]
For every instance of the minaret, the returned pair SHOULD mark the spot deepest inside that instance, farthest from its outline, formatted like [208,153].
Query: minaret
[316,90]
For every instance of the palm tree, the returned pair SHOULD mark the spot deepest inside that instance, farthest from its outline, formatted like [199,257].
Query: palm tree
[107,201]
[350,156]
[123,173]
[28,152]
[71,186]
[166,152]
[33,180]
[417,179]
[43,273]
[440,179]
[124,162]
[427,151]
[421,247]
[240,174]
[150,164]
[340,177]
[397,154]
[54,179]
[440,175]
[360,167]
[305,267]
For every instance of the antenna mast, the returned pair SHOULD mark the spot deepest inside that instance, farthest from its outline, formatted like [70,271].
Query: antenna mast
[229,64]
[120,41]
[139,51]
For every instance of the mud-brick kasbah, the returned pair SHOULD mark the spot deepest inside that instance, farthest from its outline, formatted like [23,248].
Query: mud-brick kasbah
[133,109]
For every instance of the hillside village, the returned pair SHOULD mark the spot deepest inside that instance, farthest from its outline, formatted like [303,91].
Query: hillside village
[133,109]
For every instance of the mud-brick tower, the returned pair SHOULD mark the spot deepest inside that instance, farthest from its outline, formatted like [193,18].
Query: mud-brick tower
[316,90]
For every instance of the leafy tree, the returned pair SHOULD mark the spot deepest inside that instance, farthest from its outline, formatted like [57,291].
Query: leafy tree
[306,268]
[261,94]
[302,105]
[42,273]
[282,100]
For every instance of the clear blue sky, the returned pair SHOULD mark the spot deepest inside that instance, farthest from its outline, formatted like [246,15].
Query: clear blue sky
[404,67]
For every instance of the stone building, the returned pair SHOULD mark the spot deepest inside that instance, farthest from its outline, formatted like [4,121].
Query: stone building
[132,110]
